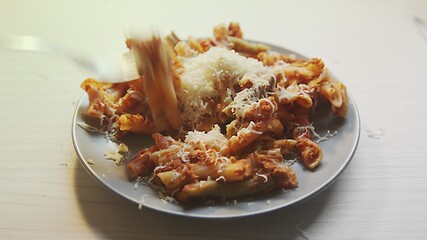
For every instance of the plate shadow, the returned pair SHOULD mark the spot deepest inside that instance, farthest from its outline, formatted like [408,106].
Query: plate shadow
[112,217]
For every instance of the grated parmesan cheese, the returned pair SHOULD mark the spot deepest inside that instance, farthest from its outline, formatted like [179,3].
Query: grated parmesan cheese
[283,94]
[318,137]
[274,151]
[220,178]
[248,129]
[141,202]
[123,148]
[203,72]
[115,156]
[88,127]
[263,176]
[137,181]
[211,139]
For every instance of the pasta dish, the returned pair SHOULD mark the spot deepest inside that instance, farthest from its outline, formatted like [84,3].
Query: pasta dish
[228,116]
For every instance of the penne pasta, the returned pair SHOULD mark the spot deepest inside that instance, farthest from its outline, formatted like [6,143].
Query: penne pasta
[226,115]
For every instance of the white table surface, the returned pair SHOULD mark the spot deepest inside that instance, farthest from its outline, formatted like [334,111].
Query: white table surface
[374,47]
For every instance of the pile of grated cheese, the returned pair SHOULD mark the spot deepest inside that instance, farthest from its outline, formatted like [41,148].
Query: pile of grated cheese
[211,139]
[204,72]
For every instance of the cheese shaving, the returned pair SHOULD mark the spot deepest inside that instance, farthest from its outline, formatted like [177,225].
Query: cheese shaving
[88,127]
[123,148]
[115,156]
[141,202]
[263,176]
[248,129]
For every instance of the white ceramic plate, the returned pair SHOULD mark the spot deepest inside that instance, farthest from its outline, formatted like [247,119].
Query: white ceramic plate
[337,153]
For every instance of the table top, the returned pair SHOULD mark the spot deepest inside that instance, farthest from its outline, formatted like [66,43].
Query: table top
[374,47]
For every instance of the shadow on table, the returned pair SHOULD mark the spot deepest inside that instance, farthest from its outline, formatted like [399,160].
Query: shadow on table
[112,217]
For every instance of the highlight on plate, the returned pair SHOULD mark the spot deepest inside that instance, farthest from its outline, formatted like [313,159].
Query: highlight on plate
[228,116]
